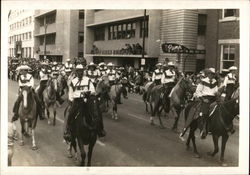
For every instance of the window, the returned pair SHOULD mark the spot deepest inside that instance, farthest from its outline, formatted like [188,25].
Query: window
[41,40]
[229,12]
[51,38]
[142,27]
[81,14]
[99,34]
[41,22]
[29,35]
[122,31]
[81,37]
[30,20]
[228,56]
[80,54]
[50,19]
[202,23]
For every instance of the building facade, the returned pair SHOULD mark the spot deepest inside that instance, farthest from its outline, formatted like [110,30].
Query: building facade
[116,35]
[59,34]
[21,33]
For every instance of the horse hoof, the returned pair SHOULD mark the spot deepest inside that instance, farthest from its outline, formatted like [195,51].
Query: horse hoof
[49,122]
[21,143]
[152,123]
[175,130]
[162,127]
[210,153]
[187,148]
[70,155]
[196,155]
[34,148]
[223,164]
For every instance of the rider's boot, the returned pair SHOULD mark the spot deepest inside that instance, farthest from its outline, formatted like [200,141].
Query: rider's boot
[16,108]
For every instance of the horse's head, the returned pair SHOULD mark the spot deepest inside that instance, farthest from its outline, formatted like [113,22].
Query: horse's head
[26,93]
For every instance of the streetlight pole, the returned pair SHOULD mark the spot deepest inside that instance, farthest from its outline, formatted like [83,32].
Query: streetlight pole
[45,31]
[143,34]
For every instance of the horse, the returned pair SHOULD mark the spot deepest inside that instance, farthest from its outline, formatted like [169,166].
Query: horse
[114,93]
[177,98]
[62,85]
[85,128]
[146,94]
[28,114]
[49,98]
[102,90]
[219,120]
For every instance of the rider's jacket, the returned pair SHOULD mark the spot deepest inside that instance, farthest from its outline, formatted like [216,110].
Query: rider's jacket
[229,79]
[168,76]
[93,75]
[77,87]
[102,71]
[68,66]
[157,74]
[27,80]
[111,74]
[43,75]
[206,88]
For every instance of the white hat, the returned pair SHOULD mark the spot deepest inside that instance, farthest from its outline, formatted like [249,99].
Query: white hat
[68,59]
[54,63]
[170,63]
[92,64]
[211,70]
[67,70]
[23,67]
[110,64]
[79,66]
[102,64]
[158,64]
[232,68]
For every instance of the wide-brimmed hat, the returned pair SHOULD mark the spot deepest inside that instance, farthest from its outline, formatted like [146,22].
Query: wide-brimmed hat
[55,63]
[23,67]
[211,70]
[171,63]
[110,65]
[102,64]
[92,64]
[232,68]
[158,64]
[79,67]
[68,59]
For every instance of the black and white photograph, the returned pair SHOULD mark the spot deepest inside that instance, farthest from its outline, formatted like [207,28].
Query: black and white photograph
[154,88]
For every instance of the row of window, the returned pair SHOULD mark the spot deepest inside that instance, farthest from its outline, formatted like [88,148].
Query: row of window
[21,23]
[15,13]
[81,14]
[50,39]
[25,52]
[121,31]
[20,37]
[48,19]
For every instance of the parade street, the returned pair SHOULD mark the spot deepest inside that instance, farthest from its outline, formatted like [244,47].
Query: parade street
[130,141]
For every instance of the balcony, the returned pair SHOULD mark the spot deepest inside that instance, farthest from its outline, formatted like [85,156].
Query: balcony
[51,28]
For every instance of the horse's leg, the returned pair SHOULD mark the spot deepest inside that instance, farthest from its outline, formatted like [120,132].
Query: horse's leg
[34,147]
[188,141]
[90,151]
[73,142]
[48,114]
[22,132]
[223,146]
[192,130]
[54,120]
[216,148]
[177,111]
[70,150]
[83,153]
[115,110]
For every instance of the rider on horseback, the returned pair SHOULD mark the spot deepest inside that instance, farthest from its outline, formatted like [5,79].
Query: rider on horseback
[112,75]
[25,79]
[92,73]
[102,68]
[230,82]
[79,85]
[168,78]
[54,74]
[157,74]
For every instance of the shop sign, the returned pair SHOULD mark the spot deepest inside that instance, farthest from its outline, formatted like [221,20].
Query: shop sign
[143,61]
[177,48]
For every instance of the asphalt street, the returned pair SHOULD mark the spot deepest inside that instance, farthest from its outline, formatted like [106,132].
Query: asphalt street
[130,141]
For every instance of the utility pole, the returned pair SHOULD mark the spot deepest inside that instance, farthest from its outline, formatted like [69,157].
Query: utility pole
[45,32]
[143,36]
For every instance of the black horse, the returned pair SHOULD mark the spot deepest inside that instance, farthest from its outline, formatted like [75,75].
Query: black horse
[85,126]
[219,122]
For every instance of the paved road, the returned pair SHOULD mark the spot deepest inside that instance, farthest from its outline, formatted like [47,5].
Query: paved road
[130,141]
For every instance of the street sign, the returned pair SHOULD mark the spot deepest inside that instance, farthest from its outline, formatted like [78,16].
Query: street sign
[143,61]
[177,48]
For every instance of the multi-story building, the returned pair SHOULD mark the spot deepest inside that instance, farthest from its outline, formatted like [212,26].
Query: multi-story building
[116,35]
[59,34]
[21,28]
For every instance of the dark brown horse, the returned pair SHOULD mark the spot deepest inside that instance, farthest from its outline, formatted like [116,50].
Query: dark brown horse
[219,120]
[102,91]
[28,114]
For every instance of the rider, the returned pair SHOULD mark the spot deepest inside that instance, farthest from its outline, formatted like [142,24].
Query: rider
[157,74]
[230,82]
[92,73]
[25,79]
[44,77]
[68,65]
[111,74]
[54,75]
[102,68]
[168,78]
[80,84]
[207,91]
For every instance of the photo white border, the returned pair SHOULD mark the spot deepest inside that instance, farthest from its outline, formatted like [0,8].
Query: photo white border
[131,4]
